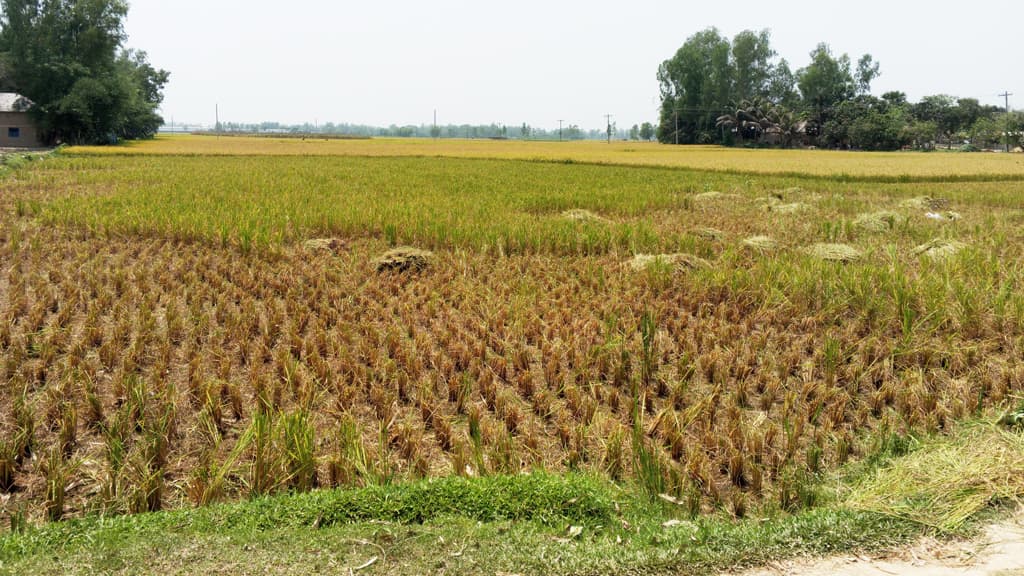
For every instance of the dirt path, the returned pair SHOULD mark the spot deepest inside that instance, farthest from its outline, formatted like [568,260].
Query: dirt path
[1000,551]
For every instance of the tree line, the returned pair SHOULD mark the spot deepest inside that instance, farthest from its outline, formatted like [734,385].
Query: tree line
[68,57]
[738,93]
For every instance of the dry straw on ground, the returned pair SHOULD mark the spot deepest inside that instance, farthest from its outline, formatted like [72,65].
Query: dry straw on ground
[835,252]
[403,258]
[882,221]
[939,249]
[945,483]
[681,262]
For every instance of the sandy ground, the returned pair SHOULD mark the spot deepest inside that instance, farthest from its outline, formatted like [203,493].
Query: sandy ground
[1000,551]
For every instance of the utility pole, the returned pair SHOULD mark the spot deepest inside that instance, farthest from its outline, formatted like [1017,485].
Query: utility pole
[608,122]
[560,130]
[1006,99]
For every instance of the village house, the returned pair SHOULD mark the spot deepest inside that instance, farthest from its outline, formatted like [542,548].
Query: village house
[16,127]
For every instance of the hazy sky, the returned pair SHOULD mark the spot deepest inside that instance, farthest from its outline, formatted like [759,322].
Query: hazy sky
[394,62]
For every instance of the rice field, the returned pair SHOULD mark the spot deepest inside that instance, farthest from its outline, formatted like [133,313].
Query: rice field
[883,166]
[194,320]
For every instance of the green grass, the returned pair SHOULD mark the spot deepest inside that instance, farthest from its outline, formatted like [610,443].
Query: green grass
[461,526]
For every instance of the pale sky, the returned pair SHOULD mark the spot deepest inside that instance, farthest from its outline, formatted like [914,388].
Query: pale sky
[477,62]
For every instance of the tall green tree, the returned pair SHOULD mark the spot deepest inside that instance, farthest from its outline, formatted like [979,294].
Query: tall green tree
[68,57]
[751,62]
[695,88]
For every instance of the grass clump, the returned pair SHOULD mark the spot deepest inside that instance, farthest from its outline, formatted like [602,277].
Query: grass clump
[946,482]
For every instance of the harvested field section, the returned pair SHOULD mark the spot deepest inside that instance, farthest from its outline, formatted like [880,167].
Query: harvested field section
[146,373]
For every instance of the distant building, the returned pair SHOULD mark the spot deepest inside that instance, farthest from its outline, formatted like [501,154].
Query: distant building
[16,127]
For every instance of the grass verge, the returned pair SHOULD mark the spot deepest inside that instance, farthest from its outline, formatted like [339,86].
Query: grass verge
[527,524]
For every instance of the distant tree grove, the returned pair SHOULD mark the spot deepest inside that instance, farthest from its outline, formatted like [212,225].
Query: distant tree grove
[717,91]
[68,58]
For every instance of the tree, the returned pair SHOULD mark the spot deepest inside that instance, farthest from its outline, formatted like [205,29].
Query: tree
[634,132]
[825,82]
[695,88]
[67,56]
[646,131]
[751,63]
[782,86]
[867,71]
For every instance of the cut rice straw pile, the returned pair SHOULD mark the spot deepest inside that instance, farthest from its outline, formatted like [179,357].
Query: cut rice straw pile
[879,221]
[680,262]
[938,249]
[761,243]
[584,216]
[948,480]
[835,252]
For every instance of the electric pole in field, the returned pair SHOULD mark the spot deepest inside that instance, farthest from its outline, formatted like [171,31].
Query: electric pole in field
[560,130]
[1006,100]
[608,122]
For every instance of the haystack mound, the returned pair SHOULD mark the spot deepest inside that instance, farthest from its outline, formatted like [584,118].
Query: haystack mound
[403,258]
[947,216]
[680,262]
[328,245]
[761,243]
[938,249]
[710,234]
[882,221]
[925,203]
[835,252]
[584,216]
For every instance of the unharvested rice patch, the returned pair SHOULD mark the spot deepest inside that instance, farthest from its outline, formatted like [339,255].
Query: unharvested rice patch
[882,221]
[681,262]
[939,249]
[835,252]
[584,216]
[403,258]
[761,243]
